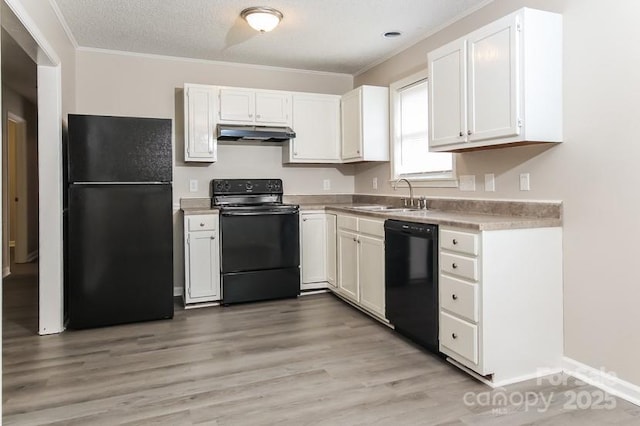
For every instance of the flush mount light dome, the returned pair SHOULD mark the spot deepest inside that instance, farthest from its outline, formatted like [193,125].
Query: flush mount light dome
[263,19]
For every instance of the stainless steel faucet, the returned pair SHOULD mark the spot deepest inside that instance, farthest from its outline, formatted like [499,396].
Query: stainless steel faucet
[395,187]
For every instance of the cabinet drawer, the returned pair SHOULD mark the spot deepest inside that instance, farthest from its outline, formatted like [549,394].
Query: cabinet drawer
[459,297]
[462,242]
[458,265]
[348,222]
[459,336]
[372,227]
[207,222]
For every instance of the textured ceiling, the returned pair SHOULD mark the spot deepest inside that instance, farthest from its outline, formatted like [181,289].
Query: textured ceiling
[323,35]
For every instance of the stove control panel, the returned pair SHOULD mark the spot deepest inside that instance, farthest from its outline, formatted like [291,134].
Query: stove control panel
[246,186]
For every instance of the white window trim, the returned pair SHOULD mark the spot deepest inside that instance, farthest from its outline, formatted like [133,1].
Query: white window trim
[442,180]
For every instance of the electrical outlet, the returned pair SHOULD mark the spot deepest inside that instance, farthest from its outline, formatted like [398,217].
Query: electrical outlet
[467,183]
[374,183]
[193,185]
[525,182]
[326,184]
[489,182]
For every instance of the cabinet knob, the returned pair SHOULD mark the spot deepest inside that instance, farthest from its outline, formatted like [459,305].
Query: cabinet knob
[455,242]
[454,335]
[213,237]
[461,134]
[454,297]
[201,223]
[468,132]
[250,115]
[358,152]
[454,265]
[258,116]
[304,220]
[295,154]
[355,239]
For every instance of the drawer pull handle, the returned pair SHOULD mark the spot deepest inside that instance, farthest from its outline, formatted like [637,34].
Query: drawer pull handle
[454,335]
[461,134]
[454,265]
[454,297]
[455,242]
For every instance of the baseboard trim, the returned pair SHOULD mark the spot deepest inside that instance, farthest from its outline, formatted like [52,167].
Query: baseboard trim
[602,379]
[33,256]
[6,271]
[177,291]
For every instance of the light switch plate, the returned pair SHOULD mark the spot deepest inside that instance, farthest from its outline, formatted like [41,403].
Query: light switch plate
[525,182]
[374,183]
[489,182]
[193,185]
[467,183]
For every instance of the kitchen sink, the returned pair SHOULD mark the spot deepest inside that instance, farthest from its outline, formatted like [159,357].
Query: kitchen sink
[390,209]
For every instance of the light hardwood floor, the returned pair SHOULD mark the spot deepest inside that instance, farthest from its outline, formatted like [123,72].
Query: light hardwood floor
[314,360]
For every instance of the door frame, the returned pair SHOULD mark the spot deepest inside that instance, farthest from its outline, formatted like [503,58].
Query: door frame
[50,306]
[21,250]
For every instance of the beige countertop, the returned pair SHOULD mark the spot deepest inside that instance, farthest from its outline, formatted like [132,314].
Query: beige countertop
[458,219]
[472,221]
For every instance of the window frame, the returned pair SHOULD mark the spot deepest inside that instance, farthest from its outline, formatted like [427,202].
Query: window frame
[429,179]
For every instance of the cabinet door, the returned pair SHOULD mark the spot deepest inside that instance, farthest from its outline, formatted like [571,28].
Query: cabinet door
[331,249]
[273,108]
[313,235]
[493,93]
[352,125]
[237,105]
[316,121]
[447,94]
[199,110]
[203,275]
[348,264]
[371,273]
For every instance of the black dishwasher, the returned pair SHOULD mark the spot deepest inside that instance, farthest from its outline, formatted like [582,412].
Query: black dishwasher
[411,280]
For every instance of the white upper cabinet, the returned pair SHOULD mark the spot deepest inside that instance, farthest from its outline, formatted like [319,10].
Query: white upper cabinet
[273,108]
[365,124]
[199,123]
[316,121]
[250,106]
[237,105]
[501,84]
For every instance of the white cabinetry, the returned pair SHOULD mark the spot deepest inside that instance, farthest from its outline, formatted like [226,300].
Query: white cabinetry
[313,253]
[199,123]
[332,244]
[202,260]
[501,301]
[316,121]
[501,84]
[365,124]
[250,106]
[361,262]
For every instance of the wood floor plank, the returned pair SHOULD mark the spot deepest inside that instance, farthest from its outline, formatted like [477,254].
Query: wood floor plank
[309,361]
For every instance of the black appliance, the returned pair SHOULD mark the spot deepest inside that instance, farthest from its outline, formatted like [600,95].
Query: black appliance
[118,232]
[260,244]
[411,280]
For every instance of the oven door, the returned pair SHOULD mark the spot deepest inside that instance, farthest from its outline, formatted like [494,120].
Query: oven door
[259,239]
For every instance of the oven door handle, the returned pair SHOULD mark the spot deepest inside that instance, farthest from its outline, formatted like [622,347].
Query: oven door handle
[260,213]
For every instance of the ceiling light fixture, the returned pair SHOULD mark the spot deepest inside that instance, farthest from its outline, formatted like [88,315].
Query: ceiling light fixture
[263,19]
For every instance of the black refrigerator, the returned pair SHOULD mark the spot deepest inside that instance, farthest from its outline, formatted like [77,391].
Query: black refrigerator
[118,236]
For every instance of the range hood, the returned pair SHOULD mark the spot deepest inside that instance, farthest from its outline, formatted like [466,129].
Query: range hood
[229,132]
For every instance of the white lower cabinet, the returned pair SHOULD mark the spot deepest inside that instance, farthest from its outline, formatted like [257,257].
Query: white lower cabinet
[313,250]
[361,262]
[202,259]
[332,245]
[501,302]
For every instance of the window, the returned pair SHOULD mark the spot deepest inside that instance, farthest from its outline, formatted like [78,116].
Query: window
[410,135]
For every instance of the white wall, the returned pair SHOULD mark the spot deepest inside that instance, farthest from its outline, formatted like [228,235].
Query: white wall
[594,171]
[110,83]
